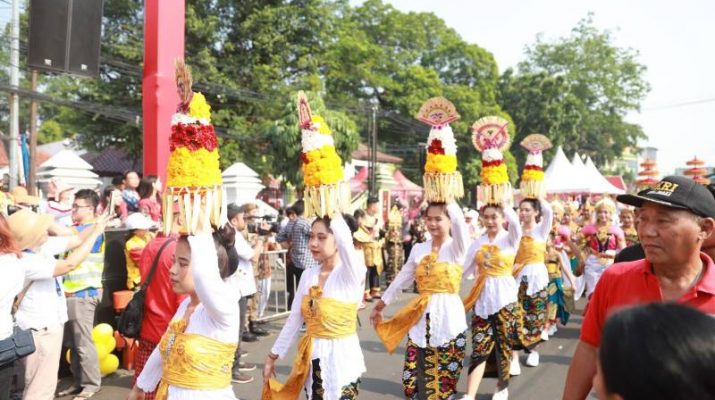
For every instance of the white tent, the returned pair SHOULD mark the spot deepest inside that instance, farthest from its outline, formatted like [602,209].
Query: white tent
[70,168]
[242,184]
[561,176]
[595,176]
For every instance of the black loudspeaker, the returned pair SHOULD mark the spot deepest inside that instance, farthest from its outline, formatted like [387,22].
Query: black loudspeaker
[65,36]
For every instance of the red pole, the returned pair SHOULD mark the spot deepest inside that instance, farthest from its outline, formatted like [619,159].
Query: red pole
[163,44]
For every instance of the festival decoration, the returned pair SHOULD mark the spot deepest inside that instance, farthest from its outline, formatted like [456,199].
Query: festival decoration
[647,175]
[442,181]
[326,193]
[532,178]
[491,137]
[696,171]
[193,173]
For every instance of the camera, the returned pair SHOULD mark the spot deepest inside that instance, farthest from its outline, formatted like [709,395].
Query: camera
[260,229]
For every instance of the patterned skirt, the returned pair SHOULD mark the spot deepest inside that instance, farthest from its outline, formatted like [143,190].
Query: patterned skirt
[347,392]
[497,334]
[534,314]
[431,373]
[558,309]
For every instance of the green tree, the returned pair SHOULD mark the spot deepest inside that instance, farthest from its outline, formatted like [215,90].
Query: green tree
[250,57]
[577,90]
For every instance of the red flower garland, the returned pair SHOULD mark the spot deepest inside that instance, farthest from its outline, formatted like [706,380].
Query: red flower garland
[533,167]
[436,147]
[193,137]
[494,163]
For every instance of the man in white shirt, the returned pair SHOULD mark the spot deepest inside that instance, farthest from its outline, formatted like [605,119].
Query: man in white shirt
[43,308]
[245,283]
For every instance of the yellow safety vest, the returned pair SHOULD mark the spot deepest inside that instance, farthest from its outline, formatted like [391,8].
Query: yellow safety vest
[88,274]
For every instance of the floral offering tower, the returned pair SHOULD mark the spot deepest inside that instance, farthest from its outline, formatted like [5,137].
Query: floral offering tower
[325,190]
[193,177]
[490,136]
[532,178]
[442,181]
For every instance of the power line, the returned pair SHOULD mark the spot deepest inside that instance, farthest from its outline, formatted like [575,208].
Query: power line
[682,104]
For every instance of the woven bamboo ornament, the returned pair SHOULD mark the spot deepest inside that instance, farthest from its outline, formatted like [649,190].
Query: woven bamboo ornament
[490,136]
[441,180]
[193,173]
[326,192]
[532,178]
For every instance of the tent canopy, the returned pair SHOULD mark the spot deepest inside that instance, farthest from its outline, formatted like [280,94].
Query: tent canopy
[598,180]
[562,177]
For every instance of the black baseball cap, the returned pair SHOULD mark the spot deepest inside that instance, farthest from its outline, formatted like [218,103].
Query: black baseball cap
[676,192]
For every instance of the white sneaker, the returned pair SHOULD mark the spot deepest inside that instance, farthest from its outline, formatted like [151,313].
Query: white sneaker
[501,395]
[533,359]
[545,335]
[553,329]
[515,367]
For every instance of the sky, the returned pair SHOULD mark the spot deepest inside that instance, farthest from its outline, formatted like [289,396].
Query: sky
[675,41]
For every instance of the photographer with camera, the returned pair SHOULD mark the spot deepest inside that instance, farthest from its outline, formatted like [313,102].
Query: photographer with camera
[294,236]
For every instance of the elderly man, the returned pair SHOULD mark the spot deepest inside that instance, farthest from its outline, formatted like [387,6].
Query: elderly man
[675,219]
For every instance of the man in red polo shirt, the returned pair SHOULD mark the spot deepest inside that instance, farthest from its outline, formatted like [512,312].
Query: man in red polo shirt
[160,303]
[675,217]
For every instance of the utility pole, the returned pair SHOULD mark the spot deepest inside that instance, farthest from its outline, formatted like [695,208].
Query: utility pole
[31,183]
[14,83]
[372,153]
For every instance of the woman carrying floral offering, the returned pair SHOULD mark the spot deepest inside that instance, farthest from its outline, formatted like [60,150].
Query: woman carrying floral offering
[529,268]
[194,357]
[434,322]
[491,258]
[329,362]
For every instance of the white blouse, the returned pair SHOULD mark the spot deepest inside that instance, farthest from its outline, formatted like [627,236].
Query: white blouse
[216,317]
[536,273]
[498,291]
[447,317]
[341,360]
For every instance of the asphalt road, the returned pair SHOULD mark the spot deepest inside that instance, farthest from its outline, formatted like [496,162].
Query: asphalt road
[383,377]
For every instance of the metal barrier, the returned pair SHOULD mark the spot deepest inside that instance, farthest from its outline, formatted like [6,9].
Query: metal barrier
[276,306]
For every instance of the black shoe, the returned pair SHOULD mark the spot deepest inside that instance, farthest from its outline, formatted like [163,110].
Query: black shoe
[256,330]
[248,337]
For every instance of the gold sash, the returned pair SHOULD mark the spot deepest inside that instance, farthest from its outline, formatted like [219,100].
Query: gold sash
[193,361]
[432,277]
[325,318]
[530,252]
[373,255]
[491,262]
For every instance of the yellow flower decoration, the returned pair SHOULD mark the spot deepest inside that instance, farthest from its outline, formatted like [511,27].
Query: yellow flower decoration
[324,167]
[532,175]
[199,108]
[323,127]
[494,175]
[440,163]
[188,168]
